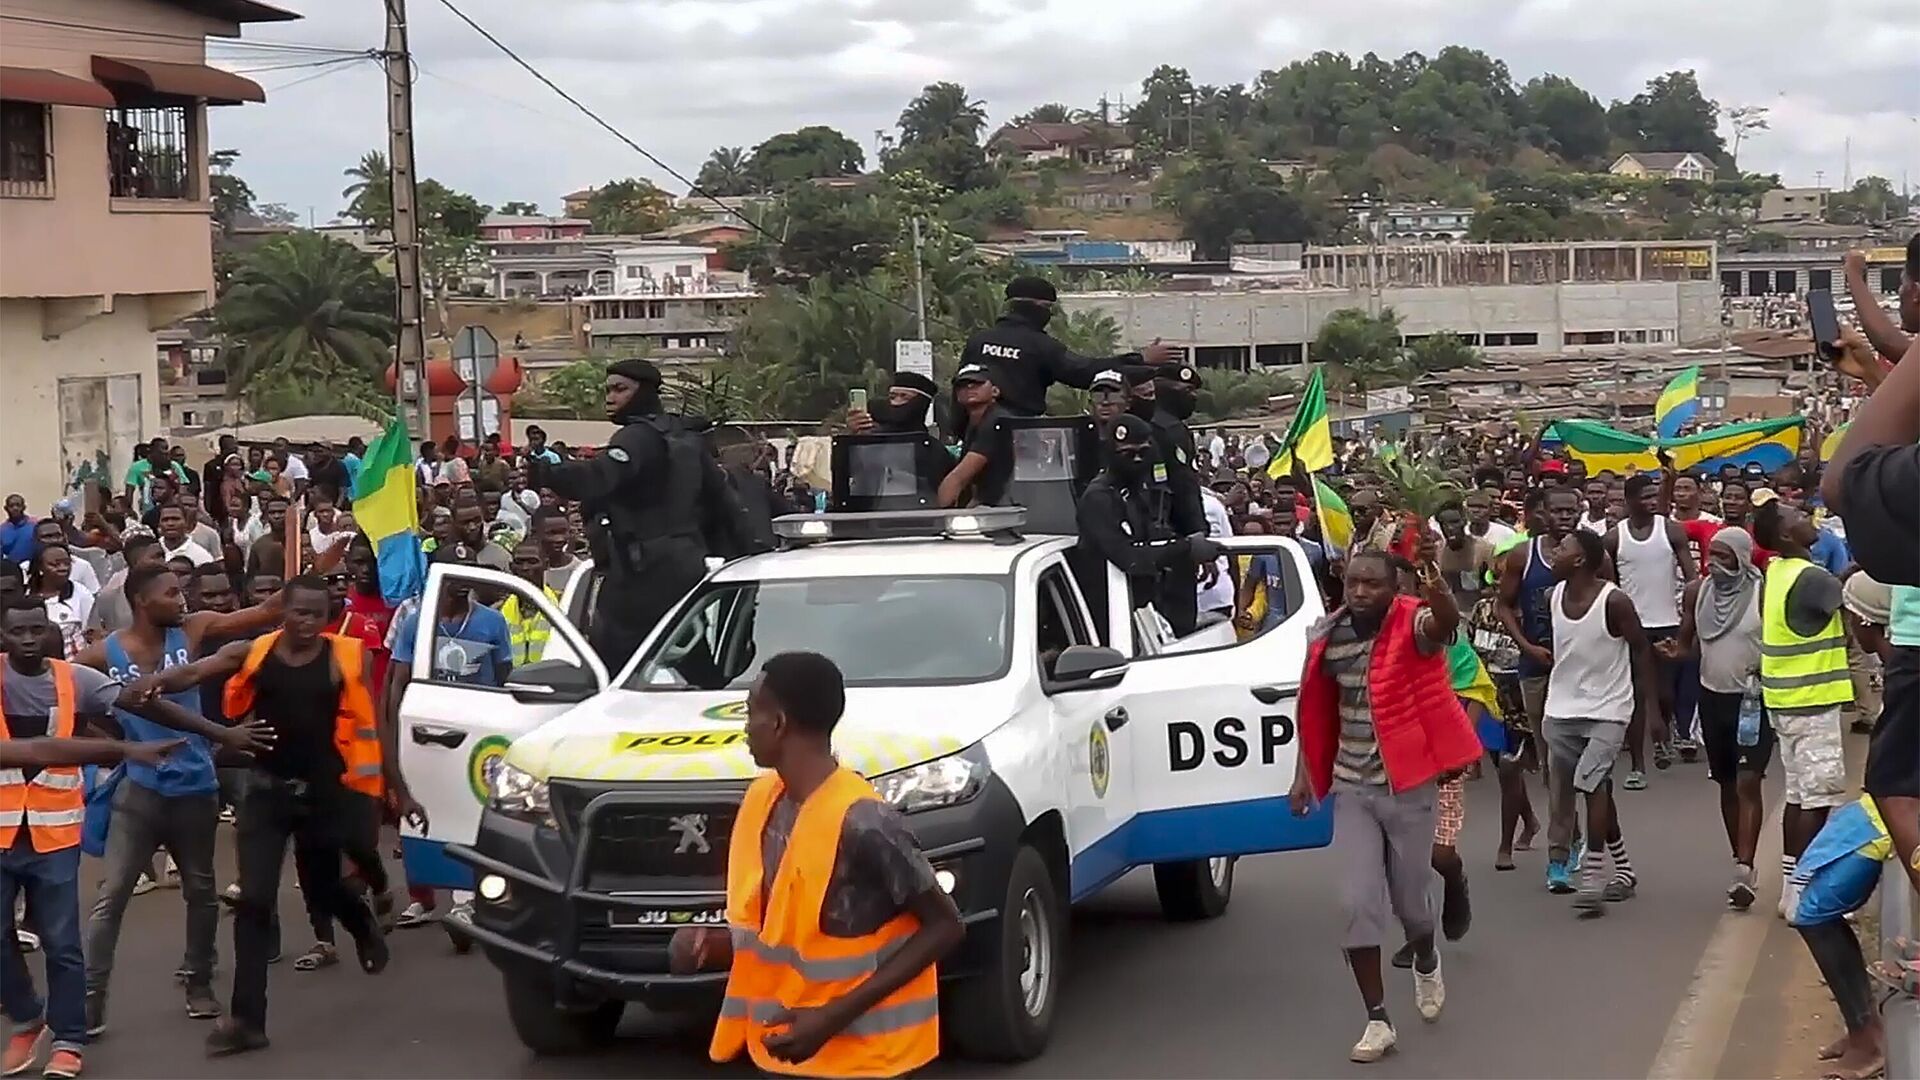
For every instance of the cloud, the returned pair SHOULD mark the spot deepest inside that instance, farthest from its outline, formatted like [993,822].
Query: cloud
[684,76]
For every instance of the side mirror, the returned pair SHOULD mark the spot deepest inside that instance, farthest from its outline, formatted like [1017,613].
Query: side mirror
[552,682]
[1087,667]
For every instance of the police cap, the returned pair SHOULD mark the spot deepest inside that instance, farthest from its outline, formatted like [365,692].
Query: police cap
[1128,428]
[1109,379]
[638,370]
[1028,287]
[972,373]
[918,383]
[1183,375]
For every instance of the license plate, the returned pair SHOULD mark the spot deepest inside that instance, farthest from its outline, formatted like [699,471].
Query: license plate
[664,918]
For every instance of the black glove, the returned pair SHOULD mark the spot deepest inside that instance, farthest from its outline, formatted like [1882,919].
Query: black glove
[1203,550]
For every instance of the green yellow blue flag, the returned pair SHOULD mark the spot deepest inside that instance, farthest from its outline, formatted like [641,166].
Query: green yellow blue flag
[1678,403]
[1309,439]
[1336,521]
[1830,445]
[386,508]
[1769,444]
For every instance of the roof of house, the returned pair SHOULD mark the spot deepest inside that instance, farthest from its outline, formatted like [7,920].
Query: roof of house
[1046,136]
[240,11]
[697,228]
[1661,159]
[498,221]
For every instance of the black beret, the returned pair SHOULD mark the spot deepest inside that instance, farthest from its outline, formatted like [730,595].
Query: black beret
[1028,287]
[638,370]
[1129,428]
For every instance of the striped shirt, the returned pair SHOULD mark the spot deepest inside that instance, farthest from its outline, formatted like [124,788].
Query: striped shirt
[1357,761]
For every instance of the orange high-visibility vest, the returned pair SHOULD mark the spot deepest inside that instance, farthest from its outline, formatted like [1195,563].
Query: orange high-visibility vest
[51,806]
[782,960]
[355,733]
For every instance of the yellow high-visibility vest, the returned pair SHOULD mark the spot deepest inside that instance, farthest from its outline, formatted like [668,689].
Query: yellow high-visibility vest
[1799,671]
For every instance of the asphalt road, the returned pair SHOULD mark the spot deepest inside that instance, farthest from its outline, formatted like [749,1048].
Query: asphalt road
[1261,992]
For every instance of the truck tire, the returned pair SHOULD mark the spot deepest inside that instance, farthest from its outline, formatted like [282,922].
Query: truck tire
[1196,889]
[1005,1013]
[546,1028]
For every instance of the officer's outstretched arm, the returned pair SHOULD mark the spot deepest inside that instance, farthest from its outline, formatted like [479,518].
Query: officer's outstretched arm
[1069,367]
[601,475]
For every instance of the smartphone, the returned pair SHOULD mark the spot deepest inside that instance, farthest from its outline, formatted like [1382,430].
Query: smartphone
[857,400]
[1824,323]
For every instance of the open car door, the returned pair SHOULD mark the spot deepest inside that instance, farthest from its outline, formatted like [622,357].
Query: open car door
[1214,739]
[455,726]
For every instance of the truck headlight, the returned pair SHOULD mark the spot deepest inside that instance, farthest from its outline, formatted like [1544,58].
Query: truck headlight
[518,792]
[947,781]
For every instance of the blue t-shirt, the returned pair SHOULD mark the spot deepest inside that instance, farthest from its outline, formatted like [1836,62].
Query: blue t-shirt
[187,771]
[16,541]
[1830,553]
[470,648]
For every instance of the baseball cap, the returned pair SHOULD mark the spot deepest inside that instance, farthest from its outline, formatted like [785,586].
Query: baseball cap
[1761,496]
[1553,466]
[972,373]
[1109,379]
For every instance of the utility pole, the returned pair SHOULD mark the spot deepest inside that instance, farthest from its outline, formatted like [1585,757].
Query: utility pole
[410,353]
[919,286]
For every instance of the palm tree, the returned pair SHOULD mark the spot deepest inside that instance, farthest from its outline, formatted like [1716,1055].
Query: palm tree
[726,172]
[370,196]
[307,309]
[942,111]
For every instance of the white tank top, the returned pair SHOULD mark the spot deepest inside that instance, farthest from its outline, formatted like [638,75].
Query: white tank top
[1592,678]
[1649,574]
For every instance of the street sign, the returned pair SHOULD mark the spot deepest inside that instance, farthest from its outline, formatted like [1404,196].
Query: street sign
[476,352]
[913,356]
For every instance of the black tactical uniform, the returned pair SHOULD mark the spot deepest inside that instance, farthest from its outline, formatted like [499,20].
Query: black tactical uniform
[656,505]
[1173,403]
[1125,518]
[1023,359]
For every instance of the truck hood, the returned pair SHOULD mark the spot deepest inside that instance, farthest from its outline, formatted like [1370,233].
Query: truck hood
[698,735]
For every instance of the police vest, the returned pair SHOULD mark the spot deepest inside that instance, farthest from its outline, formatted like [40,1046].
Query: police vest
[1799,671]
[782,960]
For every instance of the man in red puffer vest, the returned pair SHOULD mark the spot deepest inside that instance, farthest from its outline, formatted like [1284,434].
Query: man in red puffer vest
[1380,727]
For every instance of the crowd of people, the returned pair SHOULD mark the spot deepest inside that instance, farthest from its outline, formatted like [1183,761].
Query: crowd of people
[221,634]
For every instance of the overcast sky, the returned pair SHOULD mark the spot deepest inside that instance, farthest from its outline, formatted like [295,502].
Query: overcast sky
[683,76]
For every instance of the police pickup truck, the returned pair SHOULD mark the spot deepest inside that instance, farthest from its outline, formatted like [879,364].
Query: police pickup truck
[590,810]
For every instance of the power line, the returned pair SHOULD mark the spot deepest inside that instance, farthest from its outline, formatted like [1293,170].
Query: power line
[370,54]
[161,35]
[692,188]
[325,70]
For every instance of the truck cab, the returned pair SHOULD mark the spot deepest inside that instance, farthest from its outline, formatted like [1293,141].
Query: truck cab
[590,810]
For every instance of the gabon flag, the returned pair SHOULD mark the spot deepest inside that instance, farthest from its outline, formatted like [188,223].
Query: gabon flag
[386,508]
[1678,403]
[1336,520]
[1309,439]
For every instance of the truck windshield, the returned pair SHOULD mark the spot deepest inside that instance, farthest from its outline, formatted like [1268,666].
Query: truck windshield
[881,631]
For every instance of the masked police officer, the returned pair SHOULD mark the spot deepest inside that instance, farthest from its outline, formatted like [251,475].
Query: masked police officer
[907,409]
[1107,398]
[1025,361]
[1126,519]
[656,504]
[1174,389]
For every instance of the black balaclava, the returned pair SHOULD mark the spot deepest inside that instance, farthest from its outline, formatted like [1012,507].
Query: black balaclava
[646,398]
[1031,299]
[1129,446]
[911,416]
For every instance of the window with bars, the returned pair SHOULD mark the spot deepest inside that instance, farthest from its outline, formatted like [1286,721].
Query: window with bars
[26,157]
[150,151]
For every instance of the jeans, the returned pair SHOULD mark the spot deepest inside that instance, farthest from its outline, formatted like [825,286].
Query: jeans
[317,818]
[143,820]
[51,883]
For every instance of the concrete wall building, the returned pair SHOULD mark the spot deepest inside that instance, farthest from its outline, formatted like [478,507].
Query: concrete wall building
[1415,224]
[105,222]
[1793,204]
[668,303]
[1792,273]
[531,227]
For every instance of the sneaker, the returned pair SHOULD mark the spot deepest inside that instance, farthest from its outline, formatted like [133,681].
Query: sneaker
[201,1004]
[63,1064]
[96,1010]
[170,874]
[1662,756]
[416,915]
[1559,878]
[226,815]
[143,885]
[1740,894]
[229,1037]
[1375,1043]
[1789,899]
[1429,992]
[1590,903]
[461,913]
[1619,889]
[230,895]
[23,1049]
[29,941]
[1404,958]
[1456,908]
[1689,751]
[1635,781]
[1575,856]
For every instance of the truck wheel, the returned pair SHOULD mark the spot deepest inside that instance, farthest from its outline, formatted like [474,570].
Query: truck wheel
[1005,1013]
[1196,889]
[546,1028]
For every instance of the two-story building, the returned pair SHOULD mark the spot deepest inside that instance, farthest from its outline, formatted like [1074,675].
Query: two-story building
[1083,144]
[1414,223]
[1651,165]
[671,302]
[532,227]
[105,223]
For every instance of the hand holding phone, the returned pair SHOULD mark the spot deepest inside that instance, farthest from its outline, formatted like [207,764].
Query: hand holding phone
[1824,322]
[857,400]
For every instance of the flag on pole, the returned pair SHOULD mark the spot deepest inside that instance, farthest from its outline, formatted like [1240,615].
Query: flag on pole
[1336,521]
[1769,444]
[1830,445]
[387,510]
[1678,403]
[1309,440]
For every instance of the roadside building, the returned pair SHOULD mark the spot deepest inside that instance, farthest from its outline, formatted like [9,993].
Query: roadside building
[104,219]
[1646,165]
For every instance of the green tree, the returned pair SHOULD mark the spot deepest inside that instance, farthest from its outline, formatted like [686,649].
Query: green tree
[1229,199]
[307,313]
[1871,201]
[956,163]
[231,197]
[1363,350]
[1566,119]
[370,195]
[519,208]
[574,392]
[1158,120]
[979,212]
[1671,114]
[1051,113]
[1225,393]
[942,111]
[632,205]
[1444,351]
[839,234]
[809,153]
[725,172]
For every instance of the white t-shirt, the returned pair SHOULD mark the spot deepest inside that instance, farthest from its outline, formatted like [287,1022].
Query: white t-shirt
[187,549]
[1498,532]
[70,615]
[1219,595]
[296,469]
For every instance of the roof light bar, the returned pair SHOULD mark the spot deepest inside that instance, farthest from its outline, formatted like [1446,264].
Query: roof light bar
[895,524]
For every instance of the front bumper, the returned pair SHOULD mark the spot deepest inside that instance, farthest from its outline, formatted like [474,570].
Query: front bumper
[551,922]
